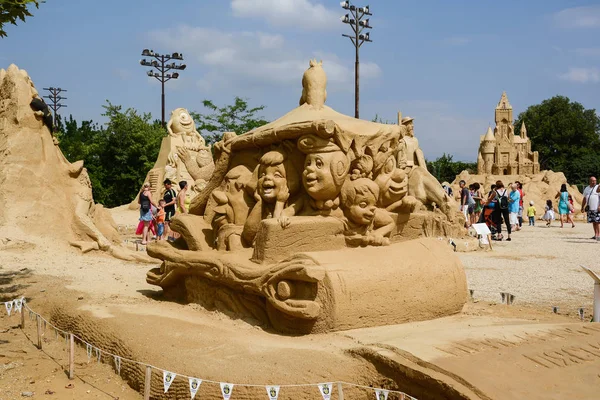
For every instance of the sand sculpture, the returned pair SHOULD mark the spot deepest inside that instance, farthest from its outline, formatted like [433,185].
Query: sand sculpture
[288,229]
[183,156]
[501,152]
[41,192]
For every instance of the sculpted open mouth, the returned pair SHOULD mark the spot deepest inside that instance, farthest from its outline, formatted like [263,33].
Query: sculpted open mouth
[311,181]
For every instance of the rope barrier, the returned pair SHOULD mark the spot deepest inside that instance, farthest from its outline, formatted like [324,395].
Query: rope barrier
[324,388]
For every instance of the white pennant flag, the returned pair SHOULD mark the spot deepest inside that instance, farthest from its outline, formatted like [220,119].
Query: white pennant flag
[98,355]
[194,386]
[168,378]
[226,389]
[273,392]
[118,364]
[325,389]
[381,394]
[18,304]
[88,348]
[8,306]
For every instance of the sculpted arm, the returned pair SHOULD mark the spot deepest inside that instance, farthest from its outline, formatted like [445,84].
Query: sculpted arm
[384,223]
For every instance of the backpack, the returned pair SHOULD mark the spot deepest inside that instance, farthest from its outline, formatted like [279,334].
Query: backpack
[502,200]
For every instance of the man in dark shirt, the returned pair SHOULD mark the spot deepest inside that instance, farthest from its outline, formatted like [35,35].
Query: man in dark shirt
[464,200]
[170,198]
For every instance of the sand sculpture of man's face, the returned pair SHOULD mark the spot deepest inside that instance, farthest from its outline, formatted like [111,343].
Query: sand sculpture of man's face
[359,200]
[362,211]
[322,173]
[271,181]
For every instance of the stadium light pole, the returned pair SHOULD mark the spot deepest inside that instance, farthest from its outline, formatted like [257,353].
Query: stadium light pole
[161,63]
[55,103]
[355,18]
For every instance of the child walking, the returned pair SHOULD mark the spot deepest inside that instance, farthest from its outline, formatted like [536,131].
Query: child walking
[549,214]
[531,213]
[160,220]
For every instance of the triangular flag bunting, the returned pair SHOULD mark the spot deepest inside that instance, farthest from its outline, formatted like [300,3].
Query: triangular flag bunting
[18,304]
[9,306]
[226,389]
[194,386]
[381,394]
[168,378]
[88,348]
[118,364]
[325,389]
[273,392]
[98,354]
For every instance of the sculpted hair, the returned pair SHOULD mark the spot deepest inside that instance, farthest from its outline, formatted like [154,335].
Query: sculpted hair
[279,157]
[362,186]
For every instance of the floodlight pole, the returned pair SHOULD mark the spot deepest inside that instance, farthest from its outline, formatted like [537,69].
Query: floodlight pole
[160,63]
[355,19]
[55,103]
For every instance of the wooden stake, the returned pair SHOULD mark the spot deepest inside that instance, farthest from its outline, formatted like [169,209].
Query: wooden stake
[39,332]
[23,317]
[340,391]
[147,383]
[71,356]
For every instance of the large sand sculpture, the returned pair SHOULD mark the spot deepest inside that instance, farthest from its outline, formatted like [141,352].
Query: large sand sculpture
[41,192]
[183,156]
[289,228]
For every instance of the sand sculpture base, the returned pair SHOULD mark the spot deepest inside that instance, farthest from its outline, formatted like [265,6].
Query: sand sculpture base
[313,292]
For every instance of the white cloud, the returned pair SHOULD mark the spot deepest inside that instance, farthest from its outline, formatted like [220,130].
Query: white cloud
[582,75]
[306,14]
[456,41]
[252,58]
[579,17]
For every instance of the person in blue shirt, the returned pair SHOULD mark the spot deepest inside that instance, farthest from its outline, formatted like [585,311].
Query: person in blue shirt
[564,207]
[513,207]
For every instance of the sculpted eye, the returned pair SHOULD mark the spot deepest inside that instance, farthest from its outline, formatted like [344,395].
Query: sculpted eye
[277,175]
[363,204]
[319,163]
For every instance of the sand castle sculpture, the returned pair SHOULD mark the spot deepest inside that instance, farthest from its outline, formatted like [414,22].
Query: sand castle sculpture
[41,192]
[501,152]
[288,228]
[183,156]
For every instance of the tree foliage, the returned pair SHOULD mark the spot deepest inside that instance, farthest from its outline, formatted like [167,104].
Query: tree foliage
[13,10]
[238,117]
[117,156]
[444,168]
[566,135]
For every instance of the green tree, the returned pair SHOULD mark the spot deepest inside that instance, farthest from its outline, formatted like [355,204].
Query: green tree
[444,168]
[238,117]
[13,10]
[117,156]
[566,135]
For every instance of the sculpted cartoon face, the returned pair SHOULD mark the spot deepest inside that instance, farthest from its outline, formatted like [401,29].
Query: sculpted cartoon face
[324,174]
[271,180]
[362,211]
[183,122]
[392,182]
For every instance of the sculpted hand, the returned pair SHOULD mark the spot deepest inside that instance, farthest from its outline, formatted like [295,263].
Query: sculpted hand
[184,154]
[284,221]
[283,195]
[257,196]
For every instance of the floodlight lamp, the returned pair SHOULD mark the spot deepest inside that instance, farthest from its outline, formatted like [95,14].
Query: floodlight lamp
[146,52]
[345,5]
[345,18]
[168,76]
[175,75]
[366,10]
[150,73]
[182,67]
[367,37]
[155,63]
[364,23]
[142,62]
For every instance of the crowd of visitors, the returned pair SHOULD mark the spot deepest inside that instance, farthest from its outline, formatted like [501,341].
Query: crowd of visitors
[155,217]
[505,206]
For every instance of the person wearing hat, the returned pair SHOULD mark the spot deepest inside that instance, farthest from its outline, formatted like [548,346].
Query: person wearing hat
[414,155]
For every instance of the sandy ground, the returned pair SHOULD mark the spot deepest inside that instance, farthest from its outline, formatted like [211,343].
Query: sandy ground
[540,267]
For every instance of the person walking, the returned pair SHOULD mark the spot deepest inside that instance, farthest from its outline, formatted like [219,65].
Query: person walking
[591,205]
[513,207]
[146,203]
[548,213]
[500,197]
[170,198]
[564,206]
[464,201]
[531,213]
[521,209]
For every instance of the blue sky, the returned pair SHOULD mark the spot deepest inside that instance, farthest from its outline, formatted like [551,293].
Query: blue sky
[443,62]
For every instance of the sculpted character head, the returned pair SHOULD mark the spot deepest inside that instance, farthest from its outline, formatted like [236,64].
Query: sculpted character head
[276,176]
[325,167]
[181,122]
[314,83]
[359,199]
[409,123]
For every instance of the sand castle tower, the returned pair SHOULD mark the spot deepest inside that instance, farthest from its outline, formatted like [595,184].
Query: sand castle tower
[501,152]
